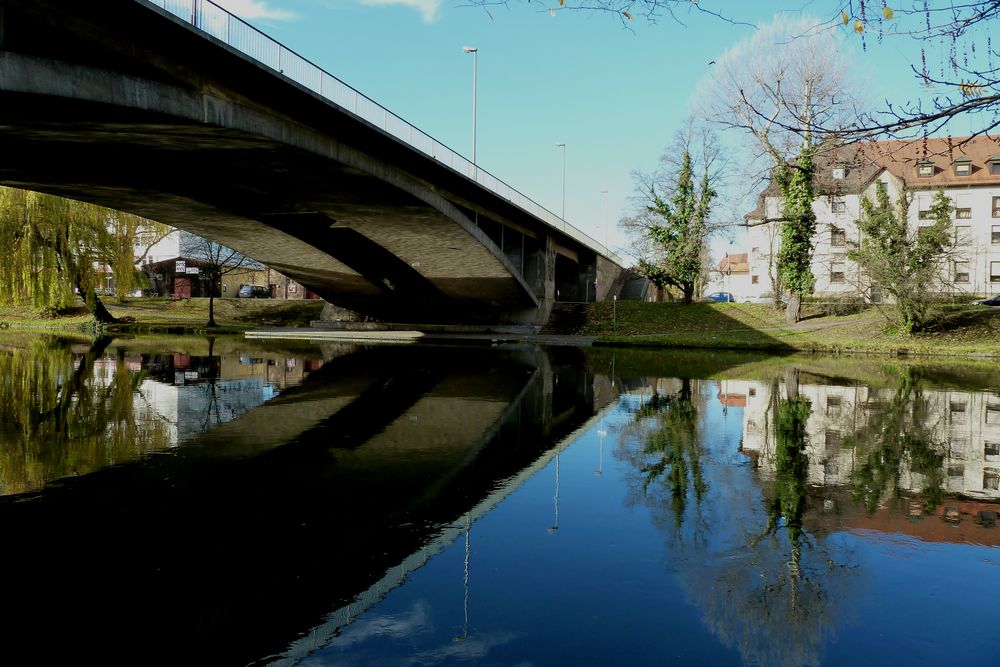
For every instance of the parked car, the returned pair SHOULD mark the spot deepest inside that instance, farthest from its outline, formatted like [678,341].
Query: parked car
[991,301]
[765,298]
[254,292]
[720,296]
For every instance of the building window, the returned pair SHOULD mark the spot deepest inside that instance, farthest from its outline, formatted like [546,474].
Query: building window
[925,168]
[838,206]
[837,272]
[995,166]
[753,391]
[833,406]
[925,215]
[963,166]
[963,235]
[995,234]
[996,207]
[956,470]
[991,449]
[963,214]
[838,237]
[754,280]
[961,274]
[991,479]
[838,173]
[995,272]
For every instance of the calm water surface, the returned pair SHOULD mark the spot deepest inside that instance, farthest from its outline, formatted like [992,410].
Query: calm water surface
[194,501]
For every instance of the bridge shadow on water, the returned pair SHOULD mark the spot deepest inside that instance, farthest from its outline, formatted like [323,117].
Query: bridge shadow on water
[225,550]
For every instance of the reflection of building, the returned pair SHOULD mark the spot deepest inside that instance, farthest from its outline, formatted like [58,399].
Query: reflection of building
[964,427]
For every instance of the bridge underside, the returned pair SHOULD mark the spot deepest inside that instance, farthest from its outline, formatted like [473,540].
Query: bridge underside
[122,105]
[353,239]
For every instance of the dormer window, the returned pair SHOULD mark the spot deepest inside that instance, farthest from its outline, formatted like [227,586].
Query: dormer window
[994,163]
[925,168]
[839,173]
[963,166]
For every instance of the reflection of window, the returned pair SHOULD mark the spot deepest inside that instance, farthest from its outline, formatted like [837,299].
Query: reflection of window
[991,449]
[753,391]
[754,280]
[993,413]
[961,273]
[838,173]
[834,438]
[957,409]
[956,470]
[838,206]
[833,406]
[991,479]
[831,469]
[838,237]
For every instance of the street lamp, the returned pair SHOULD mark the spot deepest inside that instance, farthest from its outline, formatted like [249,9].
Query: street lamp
[475,67]
[605,193]
[562,145]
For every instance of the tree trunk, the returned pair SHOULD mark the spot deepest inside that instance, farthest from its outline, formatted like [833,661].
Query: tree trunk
[96,307]
[793,311]
[211,309]
[688,292]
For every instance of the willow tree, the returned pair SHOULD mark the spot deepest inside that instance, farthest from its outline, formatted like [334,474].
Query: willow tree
[52,248]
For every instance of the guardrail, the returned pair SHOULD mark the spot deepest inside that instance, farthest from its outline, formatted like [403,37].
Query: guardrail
[215,21]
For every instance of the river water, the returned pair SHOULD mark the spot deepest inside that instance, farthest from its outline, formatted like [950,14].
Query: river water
[183,500]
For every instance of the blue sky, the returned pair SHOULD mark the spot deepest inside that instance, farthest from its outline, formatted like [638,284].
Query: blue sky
[614,95]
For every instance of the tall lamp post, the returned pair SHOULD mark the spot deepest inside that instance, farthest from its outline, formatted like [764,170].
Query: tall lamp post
[562,145]
[475,72]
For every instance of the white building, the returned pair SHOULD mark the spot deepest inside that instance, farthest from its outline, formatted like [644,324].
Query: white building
[966,170]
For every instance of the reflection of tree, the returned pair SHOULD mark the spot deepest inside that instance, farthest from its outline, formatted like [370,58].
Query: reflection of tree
[60,418]
[900,432]
[772,594]
[668,451]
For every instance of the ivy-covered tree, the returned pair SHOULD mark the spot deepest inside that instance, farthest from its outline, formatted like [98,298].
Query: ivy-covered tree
[905,263]
[674,230]
[797,229]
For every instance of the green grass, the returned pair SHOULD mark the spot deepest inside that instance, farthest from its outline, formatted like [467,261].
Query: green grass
[173,316]
[962,330]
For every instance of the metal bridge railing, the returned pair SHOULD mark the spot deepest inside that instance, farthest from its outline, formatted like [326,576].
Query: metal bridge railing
[240,35]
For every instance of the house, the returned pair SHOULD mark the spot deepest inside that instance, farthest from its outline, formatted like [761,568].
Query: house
[967,170]
[731,274]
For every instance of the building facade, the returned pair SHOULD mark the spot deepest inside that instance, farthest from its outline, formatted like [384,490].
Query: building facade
[966,170]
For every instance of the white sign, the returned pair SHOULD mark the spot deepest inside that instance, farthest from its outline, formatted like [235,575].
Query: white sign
[191,269]
[180,265]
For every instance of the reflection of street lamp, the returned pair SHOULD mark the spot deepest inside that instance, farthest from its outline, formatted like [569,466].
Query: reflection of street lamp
[562,145]
[465,625]
[553,528]
[601,434]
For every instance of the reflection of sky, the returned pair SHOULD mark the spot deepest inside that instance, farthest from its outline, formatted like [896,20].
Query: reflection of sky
[615,584]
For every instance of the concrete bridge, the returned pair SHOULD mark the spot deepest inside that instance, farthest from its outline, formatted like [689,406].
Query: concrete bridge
[185,114]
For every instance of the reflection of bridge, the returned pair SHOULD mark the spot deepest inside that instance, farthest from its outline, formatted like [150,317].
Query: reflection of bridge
[222,132]
[232,546]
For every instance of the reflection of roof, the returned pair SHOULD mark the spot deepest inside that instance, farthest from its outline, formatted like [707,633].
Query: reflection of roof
[733,400]
[933,527]
[737,263]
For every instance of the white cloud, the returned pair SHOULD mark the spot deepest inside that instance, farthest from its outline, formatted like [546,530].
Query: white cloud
[255,9]
[427,8]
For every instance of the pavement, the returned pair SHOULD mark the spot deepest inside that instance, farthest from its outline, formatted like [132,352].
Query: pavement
[412,337]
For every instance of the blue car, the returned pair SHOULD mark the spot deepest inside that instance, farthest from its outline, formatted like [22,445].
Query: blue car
[720,296]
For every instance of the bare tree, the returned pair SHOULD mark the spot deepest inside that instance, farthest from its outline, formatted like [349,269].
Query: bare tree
[781,78]
[217,260]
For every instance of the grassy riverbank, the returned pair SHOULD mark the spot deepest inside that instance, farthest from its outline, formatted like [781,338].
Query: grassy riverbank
[165,315]
[962,330]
